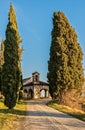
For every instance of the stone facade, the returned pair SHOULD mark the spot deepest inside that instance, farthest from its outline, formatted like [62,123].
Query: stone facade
[33,88]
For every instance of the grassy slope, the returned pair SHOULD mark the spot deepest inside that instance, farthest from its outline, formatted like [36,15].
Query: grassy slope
[73,112]
[10,118]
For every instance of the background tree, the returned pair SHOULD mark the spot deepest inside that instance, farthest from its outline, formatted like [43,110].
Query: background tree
[65,64]
[1,61]
[12,56]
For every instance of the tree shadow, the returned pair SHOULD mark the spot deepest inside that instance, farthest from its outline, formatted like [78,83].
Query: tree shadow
[13,111]
[39,101]
[40,113]
[34,113]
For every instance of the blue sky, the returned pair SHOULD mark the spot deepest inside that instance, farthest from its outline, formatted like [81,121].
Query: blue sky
[34,18]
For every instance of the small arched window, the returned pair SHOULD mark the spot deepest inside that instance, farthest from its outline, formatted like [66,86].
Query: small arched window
[36,78]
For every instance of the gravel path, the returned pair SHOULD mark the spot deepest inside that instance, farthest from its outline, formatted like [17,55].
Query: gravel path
[41,117]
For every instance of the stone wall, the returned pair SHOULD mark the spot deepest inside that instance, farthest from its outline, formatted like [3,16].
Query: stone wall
[37,91]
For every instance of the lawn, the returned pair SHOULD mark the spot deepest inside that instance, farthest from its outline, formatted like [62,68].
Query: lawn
[73,112]
[10,118]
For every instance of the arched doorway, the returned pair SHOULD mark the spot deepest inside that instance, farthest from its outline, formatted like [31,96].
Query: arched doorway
[44,93]
[30,94]
[25,93]
[25,90]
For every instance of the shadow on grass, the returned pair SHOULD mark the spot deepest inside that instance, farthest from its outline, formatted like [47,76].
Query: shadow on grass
[13,111]
[79,116]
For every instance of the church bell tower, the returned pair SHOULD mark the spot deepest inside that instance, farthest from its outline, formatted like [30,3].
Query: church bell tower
[35,77]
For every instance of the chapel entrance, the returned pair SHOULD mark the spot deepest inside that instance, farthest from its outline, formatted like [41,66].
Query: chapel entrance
[30,94]
[44,93]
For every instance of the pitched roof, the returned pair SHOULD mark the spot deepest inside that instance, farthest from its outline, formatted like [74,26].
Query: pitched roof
[36,83]
[29,81]
[35,73]
[24,80]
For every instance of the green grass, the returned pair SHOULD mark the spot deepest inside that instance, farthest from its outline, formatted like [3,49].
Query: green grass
[73,112]
[10,117]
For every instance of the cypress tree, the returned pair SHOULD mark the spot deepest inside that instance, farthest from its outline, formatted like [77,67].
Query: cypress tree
[65,64]
[12,56]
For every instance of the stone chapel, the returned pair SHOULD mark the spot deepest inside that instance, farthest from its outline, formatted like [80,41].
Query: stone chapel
[33,88]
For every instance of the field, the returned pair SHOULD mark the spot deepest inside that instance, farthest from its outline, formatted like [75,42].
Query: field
[9,119]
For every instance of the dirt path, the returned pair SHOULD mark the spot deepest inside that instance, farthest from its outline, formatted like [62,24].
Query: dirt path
[41,117]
